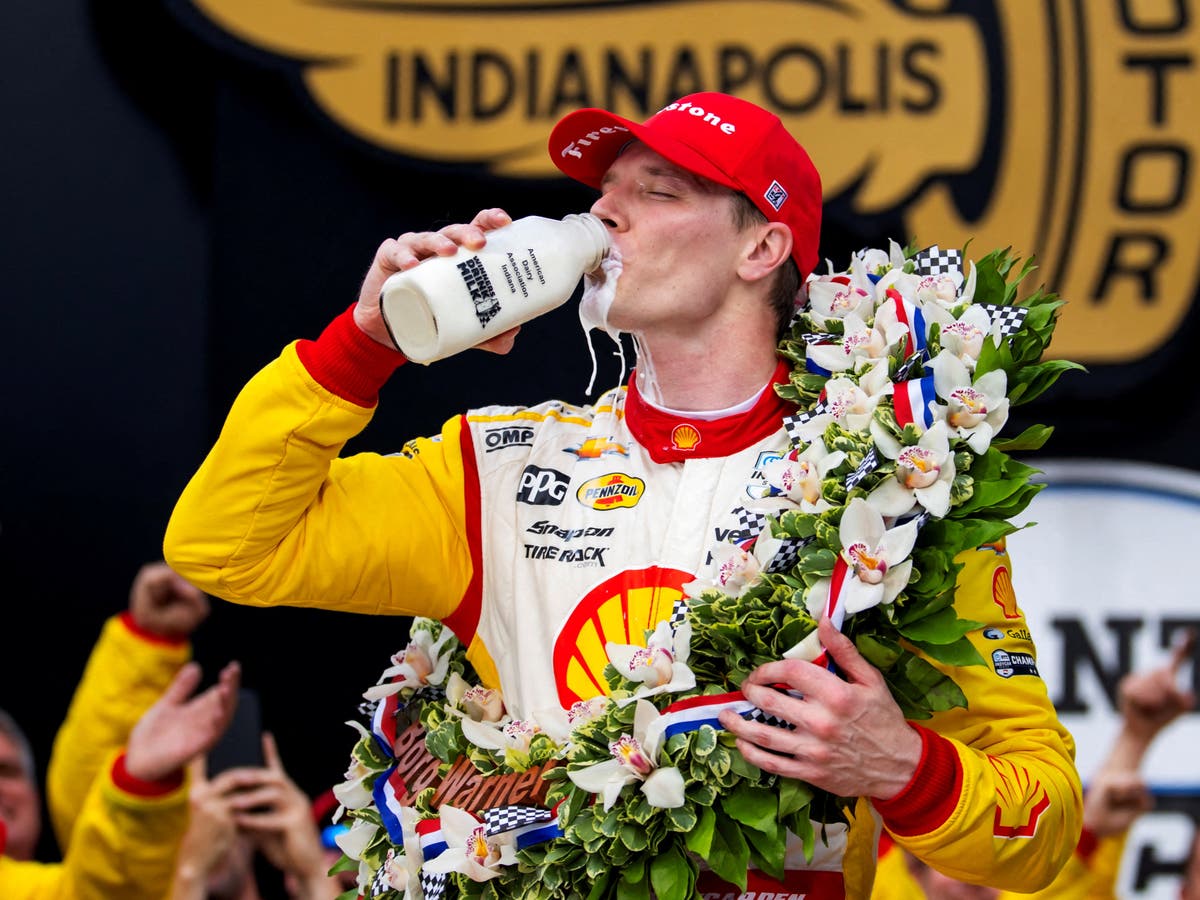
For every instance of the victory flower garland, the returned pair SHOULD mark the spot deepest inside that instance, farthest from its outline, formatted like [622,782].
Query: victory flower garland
[904,374]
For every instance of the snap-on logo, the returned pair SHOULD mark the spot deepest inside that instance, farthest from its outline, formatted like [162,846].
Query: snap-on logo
[611,491]
[775,195]
[572,149]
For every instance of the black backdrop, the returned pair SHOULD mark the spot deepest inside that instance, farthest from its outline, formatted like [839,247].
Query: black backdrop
[173,215]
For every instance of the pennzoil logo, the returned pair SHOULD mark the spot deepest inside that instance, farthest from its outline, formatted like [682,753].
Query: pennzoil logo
[612,491]
[987,122]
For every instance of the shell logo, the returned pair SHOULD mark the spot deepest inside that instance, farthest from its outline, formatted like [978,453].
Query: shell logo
[611,491]
[621,610]
[685,437]
[1002,593]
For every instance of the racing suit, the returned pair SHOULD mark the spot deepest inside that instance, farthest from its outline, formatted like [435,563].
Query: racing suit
[538,534]
[119,836]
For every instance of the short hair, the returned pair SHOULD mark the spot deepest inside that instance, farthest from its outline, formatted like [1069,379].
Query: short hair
[787,277]
[10,729]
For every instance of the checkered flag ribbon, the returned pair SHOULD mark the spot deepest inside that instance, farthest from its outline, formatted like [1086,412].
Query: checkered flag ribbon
[935,261]
[506,818]
[865,468]
[907,366]
[787,555]
[379,884]
[433,885]
[750,523]
[813,337]
[921,518]
[757,715]
[678,612]
[1007,319]
[792,423]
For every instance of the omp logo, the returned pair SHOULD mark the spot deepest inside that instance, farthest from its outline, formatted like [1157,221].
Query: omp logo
[500,438]
[612,491]
[988,122]
[542,487]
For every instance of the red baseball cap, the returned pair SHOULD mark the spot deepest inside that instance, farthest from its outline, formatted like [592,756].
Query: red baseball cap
[716,136]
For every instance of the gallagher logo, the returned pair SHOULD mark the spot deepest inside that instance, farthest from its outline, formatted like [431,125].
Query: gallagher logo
[611,491]
[985,122]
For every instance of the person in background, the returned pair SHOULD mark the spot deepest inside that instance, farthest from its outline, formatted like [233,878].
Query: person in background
[130,819]
[1116,796]
[242,812]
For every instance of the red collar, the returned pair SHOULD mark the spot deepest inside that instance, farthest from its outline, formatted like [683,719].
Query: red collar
[675,438]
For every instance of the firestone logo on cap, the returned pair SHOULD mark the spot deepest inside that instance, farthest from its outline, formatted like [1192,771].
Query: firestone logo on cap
[592,137]
[700,113]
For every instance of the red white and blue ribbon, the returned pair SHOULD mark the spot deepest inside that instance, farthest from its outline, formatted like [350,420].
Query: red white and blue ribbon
[909,315]
[911,400]
[389,788]
[430,838]
[383,723]
[835,608]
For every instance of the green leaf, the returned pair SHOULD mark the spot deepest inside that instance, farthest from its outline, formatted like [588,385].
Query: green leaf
[671,875]
[956,653]
[729,855]
[631,888]
[753,806]
[1032,438]
[941,627]
[794,795]
[699,839]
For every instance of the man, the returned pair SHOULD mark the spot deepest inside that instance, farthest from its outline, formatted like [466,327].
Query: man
[531,531]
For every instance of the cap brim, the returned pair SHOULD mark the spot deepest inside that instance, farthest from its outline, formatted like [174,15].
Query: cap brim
[588,162]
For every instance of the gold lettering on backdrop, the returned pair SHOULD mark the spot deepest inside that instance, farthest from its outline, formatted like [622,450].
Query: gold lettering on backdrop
[462,786]
[1063,129]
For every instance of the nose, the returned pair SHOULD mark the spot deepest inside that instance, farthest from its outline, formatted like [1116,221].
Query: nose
[608,209]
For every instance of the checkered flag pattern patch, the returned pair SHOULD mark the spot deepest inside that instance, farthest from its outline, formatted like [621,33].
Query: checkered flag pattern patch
[433,885]
[792,423]
[506,818]
[921,518]
[750,523]
[935,261]
[865,468]
[908,365]
[1007,319]
[787,554]
[379,884]
[366,709]
[757,715]
[678,612]
[813,337]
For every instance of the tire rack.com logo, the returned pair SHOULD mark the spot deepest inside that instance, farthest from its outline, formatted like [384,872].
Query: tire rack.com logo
[1063,129]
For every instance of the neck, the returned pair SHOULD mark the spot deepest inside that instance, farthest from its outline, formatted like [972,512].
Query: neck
[714,367]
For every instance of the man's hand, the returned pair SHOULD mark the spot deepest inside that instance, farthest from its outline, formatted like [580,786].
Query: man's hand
[277,815]
[1113,801]
[163,603]
[402,253]
[1150,701]
[850,738]
[175,730]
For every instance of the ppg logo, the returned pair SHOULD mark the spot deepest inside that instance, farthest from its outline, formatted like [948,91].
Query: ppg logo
[542,487]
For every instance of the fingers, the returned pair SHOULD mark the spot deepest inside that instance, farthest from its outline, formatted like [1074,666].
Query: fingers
[501,343]
[488,219]
[186,681]
[271,752]
[845,654]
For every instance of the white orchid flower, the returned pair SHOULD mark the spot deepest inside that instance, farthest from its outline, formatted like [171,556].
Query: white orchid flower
[875,261]
[965,335]
[861,344]
[469,849]
[877,557]
[837,296]
[400,873]
[558,723]
[799,479]
[661,666]
[976,409]
[423,662]
[412,860]
[810,647]
[732,570]
[850,405]
[515,734]
[353,792]
[483,704]
[357,838]
[924,473]
[635,758]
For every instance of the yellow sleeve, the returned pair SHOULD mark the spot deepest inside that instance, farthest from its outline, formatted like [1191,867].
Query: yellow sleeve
[124,846]
[125,674]
[275,517]
[1015,814]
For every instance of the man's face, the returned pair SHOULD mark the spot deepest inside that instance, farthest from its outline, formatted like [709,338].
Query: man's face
[677,241]
[20,805]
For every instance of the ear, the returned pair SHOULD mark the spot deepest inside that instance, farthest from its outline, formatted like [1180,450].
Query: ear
[768,247]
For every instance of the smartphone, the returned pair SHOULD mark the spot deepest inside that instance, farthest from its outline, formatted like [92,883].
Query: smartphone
[241,744]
